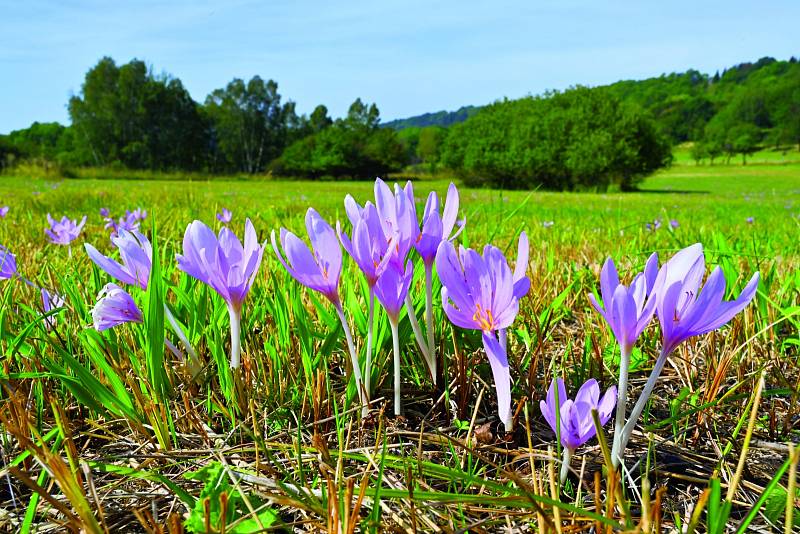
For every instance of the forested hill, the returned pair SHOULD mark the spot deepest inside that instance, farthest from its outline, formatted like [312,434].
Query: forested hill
[762,93]
[440,118]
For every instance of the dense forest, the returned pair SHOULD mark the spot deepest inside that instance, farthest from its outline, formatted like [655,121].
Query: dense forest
[125,116]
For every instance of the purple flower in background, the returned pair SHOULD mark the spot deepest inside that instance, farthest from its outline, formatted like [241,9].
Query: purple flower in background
[674,224]
[8,264]
[318,270]
[224,216]
[104,212]
[657,224]
[65,231]
[114,307]
[51,301]
[435,227]
[478,293]
[135,253]
[627,310]
[226,266]
[522,284]
[750,220]
[576,422]
[4,212]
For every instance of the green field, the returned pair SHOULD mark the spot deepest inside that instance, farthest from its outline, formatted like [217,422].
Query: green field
[287,432]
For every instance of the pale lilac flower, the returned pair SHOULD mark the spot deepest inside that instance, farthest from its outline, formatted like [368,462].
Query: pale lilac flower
[368,247]
[750,220]
[392,287]
[226,266]
[104,212]
[319,270]
[4,212]
[478,293]
[51,301]
[224,216]
[114,307]
[435,227]
[573,420]
[136,255]
[398,217]
[8,264]
[627,310]
[548,224]
[674,224]
[65,231]
[576,422]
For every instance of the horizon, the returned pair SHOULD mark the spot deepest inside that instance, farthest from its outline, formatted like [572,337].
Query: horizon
[406,64]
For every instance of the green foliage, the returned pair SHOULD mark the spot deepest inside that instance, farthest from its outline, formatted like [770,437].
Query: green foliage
[250,125]
[354,147]
[224,506]
[579,139]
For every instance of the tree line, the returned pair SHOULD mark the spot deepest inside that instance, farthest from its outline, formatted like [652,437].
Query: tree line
[129,117]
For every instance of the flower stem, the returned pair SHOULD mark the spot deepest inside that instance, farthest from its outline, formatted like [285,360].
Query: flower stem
[429,326]
[622,400]
[353,357]
[412,318]
[194,361]
[396,347]
[565,458]
[640,404]
[370,321]
[236,325]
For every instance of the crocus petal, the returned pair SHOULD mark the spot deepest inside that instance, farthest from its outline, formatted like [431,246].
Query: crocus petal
[502,377]
[450,210]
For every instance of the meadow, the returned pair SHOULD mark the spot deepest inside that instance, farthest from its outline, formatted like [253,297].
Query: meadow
[108,431]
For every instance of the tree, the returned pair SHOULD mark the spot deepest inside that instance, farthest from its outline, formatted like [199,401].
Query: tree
[579,139]
[250,125]
[129,116]
[430,145]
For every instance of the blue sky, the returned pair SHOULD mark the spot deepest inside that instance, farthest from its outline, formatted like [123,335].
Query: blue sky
[409,57]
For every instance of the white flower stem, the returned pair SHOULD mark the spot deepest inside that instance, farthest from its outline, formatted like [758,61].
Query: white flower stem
[396,347]
[640,404]
[429,326]
[354,358]
[370,321]
[236,325]
[194,361]
[412,318]
[565,458]
[622,400]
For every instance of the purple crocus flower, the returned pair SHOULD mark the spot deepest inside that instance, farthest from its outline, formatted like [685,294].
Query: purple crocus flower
[104,212]
[368,247]
[224,216]
[628,311]
[65,231]
[435,227]
[4,212]
[319,270]
[225,265]
[657,224]
[8,264]
[114,307]
[398,217]
[674,224]
[576,424]
[51,301]
[136,255]
[750,220]
[684,311]
[478,294]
